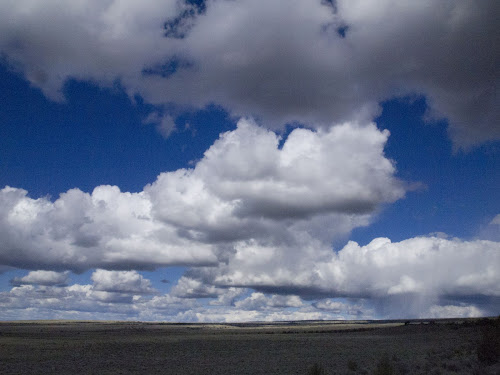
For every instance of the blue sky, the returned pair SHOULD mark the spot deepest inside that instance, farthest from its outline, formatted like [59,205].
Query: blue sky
[340,170]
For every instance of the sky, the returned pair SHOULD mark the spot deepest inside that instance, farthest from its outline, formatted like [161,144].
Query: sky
[249,160]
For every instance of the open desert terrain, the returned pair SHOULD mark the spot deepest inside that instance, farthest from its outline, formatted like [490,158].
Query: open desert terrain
[379,347]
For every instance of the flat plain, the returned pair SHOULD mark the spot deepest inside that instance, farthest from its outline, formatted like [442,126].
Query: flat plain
[75,347]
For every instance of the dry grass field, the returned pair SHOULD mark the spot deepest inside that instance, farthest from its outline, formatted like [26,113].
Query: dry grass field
[66,347]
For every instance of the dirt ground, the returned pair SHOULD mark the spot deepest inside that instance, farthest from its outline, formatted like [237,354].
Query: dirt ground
[59,347]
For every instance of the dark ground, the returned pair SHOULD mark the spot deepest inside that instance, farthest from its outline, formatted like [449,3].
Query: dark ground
[446,347]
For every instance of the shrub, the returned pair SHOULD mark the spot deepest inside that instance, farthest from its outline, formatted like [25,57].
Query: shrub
[452,367]
[352,365]
[384,366]
[488,348]
[401,368]
[316,370]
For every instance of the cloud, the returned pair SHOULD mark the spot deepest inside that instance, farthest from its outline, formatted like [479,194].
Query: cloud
[93,40]
[341,170]
[241,316]
[452,311]
[121,282]
[256,212]
[280,61]
[165,125]
[380,269]
[397,279]
[317,186]
[228,296]
[495,220]
[169,306]
[85,302]
[45,300]
[491,231]
[190,288]
[247,186]
[78,231]
[341,308]
[259,301]
[42,278]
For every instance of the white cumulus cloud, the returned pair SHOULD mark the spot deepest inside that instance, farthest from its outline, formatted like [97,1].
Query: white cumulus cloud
[42,277]
[317,186]
[78,231]
[378,270]
[121,282]
[259,301]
